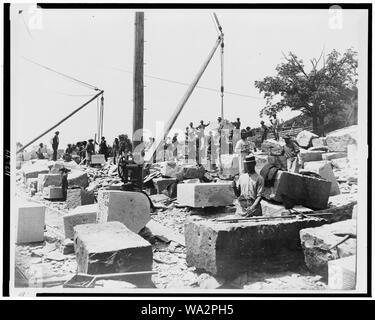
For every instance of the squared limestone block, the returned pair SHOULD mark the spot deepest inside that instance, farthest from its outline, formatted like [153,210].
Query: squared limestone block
[97,159]
[80,215]
[30,222]
[199,195]
[324,169]
[304,138]
[272,209]
[73,198]
[342,273]
[319,142]
[307,155]
[317,241]
[53,193]
[46,180]
[130,208]
[338,140]
[333,155]
[227,249]
[78,178]
[307,191]
[110,248]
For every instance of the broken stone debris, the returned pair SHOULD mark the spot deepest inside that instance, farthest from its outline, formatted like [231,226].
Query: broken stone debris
[316,243]
[205,194]
[110,248]
[299,189]
[324,169]
[80,215]
[227,249]
[130,208]
[30,222]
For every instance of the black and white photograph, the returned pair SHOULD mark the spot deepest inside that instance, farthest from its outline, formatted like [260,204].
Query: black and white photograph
[188,149]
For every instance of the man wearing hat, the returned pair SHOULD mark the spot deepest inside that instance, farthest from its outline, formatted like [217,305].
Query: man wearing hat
[264,131]
[291,151]
[55,145]
[249,188]
[103,148]
[243,148]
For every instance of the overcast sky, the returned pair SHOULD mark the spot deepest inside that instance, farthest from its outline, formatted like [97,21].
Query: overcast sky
[97,46]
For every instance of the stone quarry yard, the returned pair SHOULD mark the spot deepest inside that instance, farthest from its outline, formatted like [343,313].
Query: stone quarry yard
[51,262]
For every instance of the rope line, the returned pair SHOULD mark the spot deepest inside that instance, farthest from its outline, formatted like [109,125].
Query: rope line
[62,74]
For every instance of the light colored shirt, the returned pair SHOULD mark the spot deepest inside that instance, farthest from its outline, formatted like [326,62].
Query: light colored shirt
[251,185]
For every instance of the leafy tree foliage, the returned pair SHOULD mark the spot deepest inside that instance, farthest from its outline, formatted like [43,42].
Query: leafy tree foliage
[323,90]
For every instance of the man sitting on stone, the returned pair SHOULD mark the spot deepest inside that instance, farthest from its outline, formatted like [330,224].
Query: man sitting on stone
[249,188]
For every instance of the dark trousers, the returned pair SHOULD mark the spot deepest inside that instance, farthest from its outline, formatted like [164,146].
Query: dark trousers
[54,157]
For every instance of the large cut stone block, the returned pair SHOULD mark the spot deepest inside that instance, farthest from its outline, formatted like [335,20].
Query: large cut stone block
[97,159]
[299,189]
[80,215]
[110,248]
[324,169]
[272,209]
[46,180]
[30,222]
[319,142]
[53,193]
[333,155]
[307,155]
[78,178]
[304,138]
[79,197]
[317,241]
[227,249]
[130,208]
[342,273]
[33,170]
[338,140]
[205,194]
[162,184]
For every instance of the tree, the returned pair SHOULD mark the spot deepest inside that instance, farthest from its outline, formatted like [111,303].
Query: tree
[319,92]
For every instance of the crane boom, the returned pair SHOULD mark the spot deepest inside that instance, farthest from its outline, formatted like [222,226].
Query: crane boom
[156,145]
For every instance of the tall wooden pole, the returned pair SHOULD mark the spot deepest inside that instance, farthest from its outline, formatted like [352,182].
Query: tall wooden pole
[138,77]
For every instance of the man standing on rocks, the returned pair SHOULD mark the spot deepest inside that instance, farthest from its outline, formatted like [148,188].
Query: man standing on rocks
[64,181]
[291,151]
[275,126]
[90,150]
[249,188]
[264,129]
[103,148]
[55,145]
